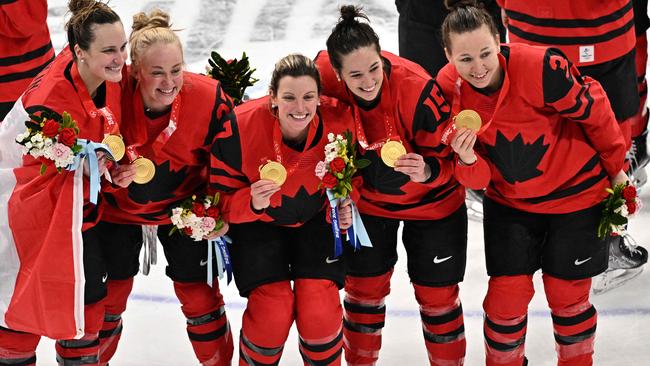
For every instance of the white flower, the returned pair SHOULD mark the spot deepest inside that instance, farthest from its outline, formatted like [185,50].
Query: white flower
[622,210]
[330,137]
[28,145]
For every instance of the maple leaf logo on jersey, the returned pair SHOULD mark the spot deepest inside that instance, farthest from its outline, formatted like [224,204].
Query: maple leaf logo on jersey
[161,188]
[299,208]
[381,177]
[517,161]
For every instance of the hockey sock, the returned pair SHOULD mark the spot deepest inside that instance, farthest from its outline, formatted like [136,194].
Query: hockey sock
[504,328]
[364,316]
[207,326]
[84,351]
[443,326]
[17,348]
[117,294]
[319,319]
[574,319]
[266,323]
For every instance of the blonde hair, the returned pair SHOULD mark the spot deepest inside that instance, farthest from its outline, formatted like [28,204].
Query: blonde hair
[148,30]
[294,65]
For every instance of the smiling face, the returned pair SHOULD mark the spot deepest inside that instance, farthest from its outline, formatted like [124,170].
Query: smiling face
[475,56]
[105,57]
[362,72]
[160,75]
[296,100]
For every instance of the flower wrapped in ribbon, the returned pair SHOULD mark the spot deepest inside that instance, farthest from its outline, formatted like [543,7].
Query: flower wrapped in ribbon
[52,140]
[335,173]
[622,203]
[201,219]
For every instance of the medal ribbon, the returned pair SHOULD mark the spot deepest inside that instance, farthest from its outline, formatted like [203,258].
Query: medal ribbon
[456,107]
[163,136]
[334,217]
[277,144]
[386,105]
[104,114]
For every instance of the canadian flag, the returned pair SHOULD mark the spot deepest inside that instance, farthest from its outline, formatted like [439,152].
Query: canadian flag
[41,247]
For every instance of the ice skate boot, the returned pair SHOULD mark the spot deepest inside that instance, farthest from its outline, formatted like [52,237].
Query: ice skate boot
[626,260]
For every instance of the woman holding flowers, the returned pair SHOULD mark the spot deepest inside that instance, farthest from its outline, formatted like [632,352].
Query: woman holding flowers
[400,112]
[548,149]
[48,286]
[170,118]
[265,156]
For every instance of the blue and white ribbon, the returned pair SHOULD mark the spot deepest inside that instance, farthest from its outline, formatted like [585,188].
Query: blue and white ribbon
[357,234]
[89,150]
[334,217]
[223,258]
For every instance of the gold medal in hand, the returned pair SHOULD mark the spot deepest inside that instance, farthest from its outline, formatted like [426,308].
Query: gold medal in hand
[144,170]
[274,172]
[391,151]
[468,118]
[115,145]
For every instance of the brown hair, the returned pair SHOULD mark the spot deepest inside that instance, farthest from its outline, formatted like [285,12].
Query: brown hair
[465,16]
[85,14]
[294,65]
[148,30]
[349,34]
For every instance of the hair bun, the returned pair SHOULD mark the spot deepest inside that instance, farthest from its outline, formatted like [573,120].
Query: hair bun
[156,19]
[350,13]
[455,4]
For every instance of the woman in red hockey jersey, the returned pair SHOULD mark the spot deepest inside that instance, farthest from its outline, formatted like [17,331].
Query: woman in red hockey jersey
[170,116]
[548,148]
[55,290]
[279,229]
[396,100]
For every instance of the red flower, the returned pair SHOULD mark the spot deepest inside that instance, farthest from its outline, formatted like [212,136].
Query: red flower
[50,129]
[329,181]
[629,193]
[198,209]
[187,230]
[67,137]
[214,212]
[337,165]
[631,207]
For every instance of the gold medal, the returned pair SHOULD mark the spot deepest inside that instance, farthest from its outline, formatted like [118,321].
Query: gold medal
[273,171]
[144,170]
[391,151]
[116,145]
[469,119]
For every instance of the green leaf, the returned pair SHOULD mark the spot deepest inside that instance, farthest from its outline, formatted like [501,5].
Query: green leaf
[173,230]
[43,168]
[362,163]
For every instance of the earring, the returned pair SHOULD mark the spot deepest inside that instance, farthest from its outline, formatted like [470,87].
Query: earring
[273,105]
[82,60]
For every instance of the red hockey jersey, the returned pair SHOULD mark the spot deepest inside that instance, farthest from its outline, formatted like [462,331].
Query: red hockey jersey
[587,31]
[41,246]
[25,47]
[246,142]
[181,162]
[413,103]
[550,139]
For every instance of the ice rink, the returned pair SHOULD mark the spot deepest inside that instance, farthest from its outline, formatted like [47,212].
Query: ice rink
[154,327]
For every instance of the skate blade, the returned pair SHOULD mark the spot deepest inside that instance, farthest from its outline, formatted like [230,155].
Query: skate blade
[610,280]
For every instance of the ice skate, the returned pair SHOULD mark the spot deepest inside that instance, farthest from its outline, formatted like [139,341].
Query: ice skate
[474,202]
[626,260]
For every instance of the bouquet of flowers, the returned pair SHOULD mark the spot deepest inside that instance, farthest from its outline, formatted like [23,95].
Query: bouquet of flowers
[621,204]
[199,219]
[340,164]
[51,139]
[235,75]
[336,173]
